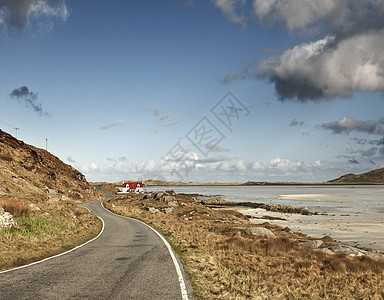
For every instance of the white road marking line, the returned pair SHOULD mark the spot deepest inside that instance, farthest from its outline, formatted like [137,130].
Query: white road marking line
[60,254]
[183,289]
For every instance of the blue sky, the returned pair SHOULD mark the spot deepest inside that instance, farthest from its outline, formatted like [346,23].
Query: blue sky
[128,89]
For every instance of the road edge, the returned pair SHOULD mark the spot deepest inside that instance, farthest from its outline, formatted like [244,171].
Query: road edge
[60,254]
[183,288]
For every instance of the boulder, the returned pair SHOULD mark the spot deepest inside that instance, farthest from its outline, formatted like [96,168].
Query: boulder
[173,203]
[315,244]
[349,250]
[167,198]
[153,210]
[261,231]
[6,220]
[171,193]
[326,251]
[33,206]
[158,196]
[168,210]
[51,191]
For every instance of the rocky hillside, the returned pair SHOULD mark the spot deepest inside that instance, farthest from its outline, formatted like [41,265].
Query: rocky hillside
[30,174]
[371,177]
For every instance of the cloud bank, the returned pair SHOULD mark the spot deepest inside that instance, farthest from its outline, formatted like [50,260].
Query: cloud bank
[344,55]
[18,13]
[194,168]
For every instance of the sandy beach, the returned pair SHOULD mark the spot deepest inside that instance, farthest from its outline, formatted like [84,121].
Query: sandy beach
[350,228]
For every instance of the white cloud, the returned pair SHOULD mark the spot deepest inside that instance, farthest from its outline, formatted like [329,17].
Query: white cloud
[343,56]
[229,9]
[163,117]
[18,13]
[192,168]
[241,165]
[113,124]
[295,13]
[323,69]
[348,125]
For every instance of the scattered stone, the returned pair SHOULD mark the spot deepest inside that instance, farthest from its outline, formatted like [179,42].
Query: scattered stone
[173,203]
[32,206]
[261,231]
[167,198]
[326,251]
[327,239]
[153,210]
[172,193]
[65,198]
[168,210]
[158,196]
[349,250]
[258,231]
[304,211]
[315,244]
[6,220]
[77,195]
[52,192]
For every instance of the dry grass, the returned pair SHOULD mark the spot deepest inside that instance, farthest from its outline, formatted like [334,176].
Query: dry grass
[15,208]
[228,263]
[54,228]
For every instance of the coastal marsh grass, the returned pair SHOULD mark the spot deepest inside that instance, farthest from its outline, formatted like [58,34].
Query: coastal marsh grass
[224,262]
[54,228]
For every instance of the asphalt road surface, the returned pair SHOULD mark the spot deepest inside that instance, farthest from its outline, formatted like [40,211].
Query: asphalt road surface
[127,261]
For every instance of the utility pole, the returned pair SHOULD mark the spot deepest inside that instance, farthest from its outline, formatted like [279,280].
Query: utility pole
[46,144]
[16,131]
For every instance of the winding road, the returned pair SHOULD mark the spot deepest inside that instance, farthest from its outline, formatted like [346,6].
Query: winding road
[129,260]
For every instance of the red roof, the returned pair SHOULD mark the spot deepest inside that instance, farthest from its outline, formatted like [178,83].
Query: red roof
[133,185]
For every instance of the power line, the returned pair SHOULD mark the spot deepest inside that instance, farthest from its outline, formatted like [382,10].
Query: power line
[16,128]
[19,130]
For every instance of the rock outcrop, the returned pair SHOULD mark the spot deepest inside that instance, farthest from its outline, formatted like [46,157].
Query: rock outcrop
[29,174]
[6,220]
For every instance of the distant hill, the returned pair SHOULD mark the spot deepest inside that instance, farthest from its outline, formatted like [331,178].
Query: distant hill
[177,183]
[371,177]
[29,174]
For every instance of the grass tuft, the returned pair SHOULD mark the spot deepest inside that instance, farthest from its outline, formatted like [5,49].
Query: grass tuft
[15,208]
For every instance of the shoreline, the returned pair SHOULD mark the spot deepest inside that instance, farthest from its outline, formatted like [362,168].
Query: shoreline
[258,183]
[348,228]
[361,230]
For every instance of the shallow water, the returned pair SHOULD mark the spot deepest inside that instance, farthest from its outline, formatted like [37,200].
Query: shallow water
[318,198]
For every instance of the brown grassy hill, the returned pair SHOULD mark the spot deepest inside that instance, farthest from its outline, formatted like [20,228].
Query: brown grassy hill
[42,193]
[371,177]
[32,174]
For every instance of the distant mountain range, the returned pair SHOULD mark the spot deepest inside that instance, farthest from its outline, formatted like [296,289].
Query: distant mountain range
[371,177]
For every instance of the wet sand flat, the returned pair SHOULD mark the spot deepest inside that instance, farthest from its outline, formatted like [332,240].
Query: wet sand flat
[365,230]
